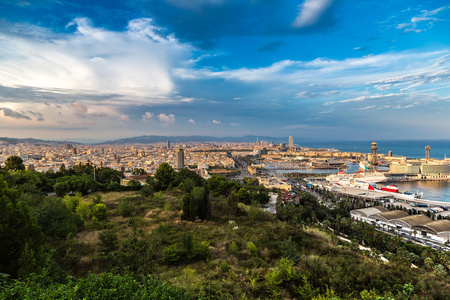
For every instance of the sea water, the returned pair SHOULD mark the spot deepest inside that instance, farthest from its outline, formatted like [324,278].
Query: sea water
[432,190]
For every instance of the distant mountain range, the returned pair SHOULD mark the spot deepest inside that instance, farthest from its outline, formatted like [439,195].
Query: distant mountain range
[32,141]
[150,139]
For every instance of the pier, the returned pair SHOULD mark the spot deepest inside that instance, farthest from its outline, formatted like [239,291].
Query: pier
[374,195]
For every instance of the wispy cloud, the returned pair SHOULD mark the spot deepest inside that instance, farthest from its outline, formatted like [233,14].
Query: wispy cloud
[124,118]
[166,119]
[216,122]
[311,12]
[192,121]
[7,112]
[147,116]
[80,107]
[425,16]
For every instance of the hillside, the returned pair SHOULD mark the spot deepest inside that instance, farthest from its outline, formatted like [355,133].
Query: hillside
[201,239]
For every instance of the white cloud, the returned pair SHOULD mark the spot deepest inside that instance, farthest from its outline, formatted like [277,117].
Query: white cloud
[192,121]
[244,74]
[147,116]
[124,118]
[136,63]
[310,12]
[216,122]
[372,97]
[166,119]
[80,107]
[367,107]
[425,16]
[234,124]
[419,19]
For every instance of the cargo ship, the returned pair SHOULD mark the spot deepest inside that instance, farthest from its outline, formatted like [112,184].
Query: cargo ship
[372,186]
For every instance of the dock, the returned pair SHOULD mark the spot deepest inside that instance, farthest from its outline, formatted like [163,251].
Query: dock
[373,195]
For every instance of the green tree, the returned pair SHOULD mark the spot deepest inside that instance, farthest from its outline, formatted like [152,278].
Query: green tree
[164,176]
[232,203]
[108,241]
[56,219]
[125,209]
[100,212]
[72,202]
[84,210]
[170,254]
[21,238]
[202,205]
[14,163]
[138,171]
[147,190]
[186,207]
[134,185]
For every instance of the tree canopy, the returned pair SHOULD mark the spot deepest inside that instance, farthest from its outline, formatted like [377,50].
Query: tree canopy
[14,163]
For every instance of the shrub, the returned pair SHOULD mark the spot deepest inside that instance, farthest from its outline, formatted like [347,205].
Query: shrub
[233,248]
[97,199]
[72,202]
[170,254]
[203,250]
[100,212]
[252,248]
[125,209]
[108,241]
[224,267]
[147,190]
[84,210]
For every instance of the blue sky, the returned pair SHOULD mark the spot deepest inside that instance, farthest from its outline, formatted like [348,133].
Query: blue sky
[313,69]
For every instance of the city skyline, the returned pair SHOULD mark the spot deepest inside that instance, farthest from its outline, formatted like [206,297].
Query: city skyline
[322,69]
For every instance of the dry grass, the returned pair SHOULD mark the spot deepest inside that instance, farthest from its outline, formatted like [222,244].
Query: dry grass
[321,235]
[115,196]
[89,237]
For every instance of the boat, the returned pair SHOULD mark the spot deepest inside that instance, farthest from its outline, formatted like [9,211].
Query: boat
[364,166]
[390,188]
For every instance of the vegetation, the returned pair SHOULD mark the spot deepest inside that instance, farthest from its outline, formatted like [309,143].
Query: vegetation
[182,237]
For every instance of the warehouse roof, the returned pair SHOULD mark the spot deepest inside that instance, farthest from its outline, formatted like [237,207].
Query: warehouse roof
[390,215]
[412,221]
[369,211]
[435,227]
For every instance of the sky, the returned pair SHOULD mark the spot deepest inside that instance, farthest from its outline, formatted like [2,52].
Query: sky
[313,69]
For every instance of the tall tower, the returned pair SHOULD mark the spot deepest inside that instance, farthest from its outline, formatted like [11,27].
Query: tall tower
[374,149]
[291,142]
[180,159]
[168,144]
[427,153]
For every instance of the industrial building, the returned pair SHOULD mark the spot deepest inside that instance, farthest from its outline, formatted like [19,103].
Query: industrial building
[427,168]
[363,214]
[419,226]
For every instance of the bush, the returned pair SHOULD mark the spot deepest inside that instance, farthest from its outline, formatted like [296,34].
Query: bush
[100,212]
[147,190]
[233,248]
[224,267]
[95,286]
[125,209]
[252,248]
[108,242]
[84,210]
[203,251]
[170,255]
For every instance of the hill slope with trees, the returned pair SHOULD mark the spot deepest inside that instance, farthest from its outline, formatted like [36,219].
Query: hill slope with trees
[182,237]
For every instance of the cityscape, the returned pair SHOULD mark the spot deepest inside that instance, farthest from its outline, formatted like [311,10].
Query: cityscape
[224,149]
